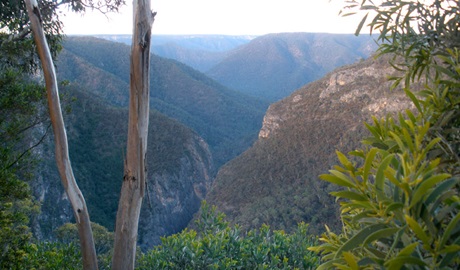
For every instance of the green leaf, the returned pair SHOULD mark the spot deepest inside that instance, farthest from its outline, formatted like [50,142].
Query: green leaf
[373,130]
[338,178]
[329,264]
[408,140]
[450,249]
[448,232]
[397,140]
[380,234]
[418,231]
[362,215]
[349,195]
[393,206]
[422,189]
[368,163]
[380,175]
[350,259]
[439,190]
[360,26]
[348,14]
[406,251]
[358,238]
[343,159]
[400,261]
[429,146]
[445,71]
[414,99]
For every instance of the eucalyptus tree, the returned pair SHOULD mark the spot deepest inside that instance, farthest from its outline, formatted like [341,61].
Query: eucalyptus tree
[135,171]
[400,200]
[134,185]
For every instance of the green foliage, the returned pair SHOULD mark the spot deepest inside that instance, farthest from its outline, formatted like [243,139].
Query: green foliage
[52,256]
[14,231]
[19,103]
[103,239]
[217,245]
[397,207]
[67,234]
[400,200]
[21,111]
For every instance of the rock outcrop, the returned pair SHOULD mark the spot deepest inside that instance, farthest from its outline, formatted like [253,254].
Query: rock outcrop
[173,198]
[276,181]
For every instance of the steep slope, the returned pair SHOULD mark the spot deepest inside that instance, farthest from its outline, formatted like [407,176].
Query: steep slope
[274,65]
[179,170]
[227,120]
[276,181]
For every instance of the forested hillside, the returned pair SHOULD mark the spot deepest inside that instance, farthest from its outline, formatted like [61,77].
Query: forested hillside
[227,120]
[180,168]
[276,181]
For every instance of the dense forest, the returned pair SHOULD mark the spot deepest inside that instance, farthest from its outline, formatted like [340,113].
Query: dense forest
[356,170]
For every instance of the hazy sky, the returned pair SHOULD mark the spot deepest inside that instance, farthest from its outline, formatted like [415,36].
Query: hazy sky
[230,17]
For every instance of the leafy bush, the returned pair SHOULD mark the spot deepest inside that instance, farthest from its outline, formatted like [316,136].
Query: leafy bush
[397,208]
[217,245]
[103,241]
[52,256]
[400,200]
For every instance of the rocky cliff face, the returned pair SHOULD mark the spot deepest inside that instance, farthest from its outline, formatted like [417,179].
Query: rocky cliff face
[276,181]
[362,88]
[180,170]
[173,198]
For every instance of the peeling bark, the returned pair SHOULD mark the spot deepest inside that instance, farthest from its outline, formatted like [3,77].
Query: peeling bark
[134,179]
[62,153]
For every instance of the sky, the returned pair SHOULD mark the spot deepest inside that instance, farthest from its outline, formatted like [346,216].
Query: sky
[227,17]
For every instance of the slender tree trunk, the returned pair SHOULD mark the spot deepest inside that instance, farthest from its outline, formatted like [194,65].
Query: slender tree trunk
[62,153]
[134,185]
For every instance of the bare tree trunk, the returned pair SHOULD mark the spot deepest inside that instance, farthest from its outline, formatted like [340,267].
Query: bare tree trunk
[134,185]
[62,153]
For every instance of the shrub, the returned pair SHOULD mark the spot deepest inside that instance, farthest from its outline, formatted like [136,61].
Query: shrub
[400,200]
[218,245]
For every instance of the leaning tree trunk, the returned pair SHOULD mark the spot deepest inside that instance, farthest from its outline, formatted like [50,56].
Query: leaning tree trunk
[62,153]
[134,185]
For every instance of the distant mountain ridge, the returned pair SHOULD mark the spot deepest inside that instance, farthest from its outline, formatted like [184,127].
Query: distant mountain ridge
[201,52]
[273,66]
[268,67]
[211,43]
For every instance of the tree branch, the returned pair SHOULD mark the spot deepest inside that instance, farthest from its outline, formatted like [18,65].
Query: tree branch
[29,149]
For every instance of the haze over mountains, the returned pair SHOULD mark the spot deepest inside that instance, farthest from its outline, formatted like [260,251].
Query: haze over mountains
[201,52]
[268,67]
[203,123]
[272,66]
